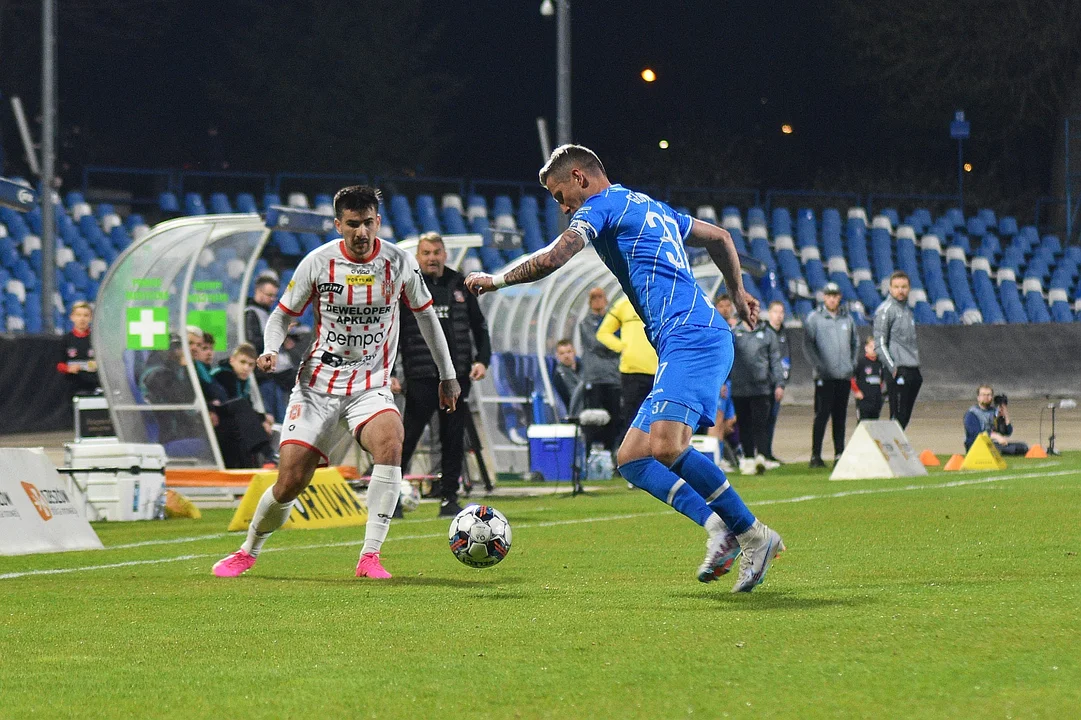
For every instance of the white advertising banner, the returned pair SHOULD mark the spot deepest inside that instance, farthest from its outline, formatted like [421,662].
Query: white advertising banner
[878,449]
[37,512]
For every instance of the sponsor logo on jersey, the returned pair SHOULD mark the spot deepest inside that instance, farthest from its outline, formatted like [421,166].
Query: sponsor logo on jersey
[294,411]
[360,279]
[290,285]
[330,287]
[362,340]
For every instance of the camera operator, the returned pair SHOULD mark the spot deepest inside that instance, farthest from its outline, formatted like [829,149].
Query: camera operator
[990,415]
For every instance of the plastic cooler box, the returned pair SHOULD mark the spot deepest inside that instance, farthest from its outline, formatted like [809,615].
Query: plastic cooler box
[118,481]
[551,451]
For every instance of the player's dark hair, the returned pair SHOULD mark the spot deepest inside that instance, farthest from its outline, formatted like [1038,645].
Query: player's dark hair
[899,274]
[356,198]
[567,157]
[722,296]
[564,342]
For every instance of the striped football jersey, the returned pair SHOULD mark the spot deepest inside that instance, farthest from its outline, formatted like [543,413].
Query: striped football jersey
[356,313]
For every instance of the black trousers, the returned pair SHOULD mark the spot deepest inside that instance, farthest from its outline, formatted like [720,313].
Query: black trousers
[903,390]
[752,418]
[606,397]
[635,388]
[421,400]
[831,405]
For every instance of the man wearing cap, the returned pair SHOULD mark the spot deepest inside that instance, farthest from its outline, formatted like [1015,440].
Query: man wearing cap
[831,345]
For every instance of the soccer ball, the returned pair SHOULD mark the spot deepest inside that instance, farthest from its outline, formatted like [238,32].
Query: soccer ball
[410,496]
[480,536]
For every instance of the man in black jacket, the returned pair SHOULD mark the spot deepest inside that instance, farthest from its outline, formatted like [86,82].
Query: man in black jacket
[260,305]
[465,328]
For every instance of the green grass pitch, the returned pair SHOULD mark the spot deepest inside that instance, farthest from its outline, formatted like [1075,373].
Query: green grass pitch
[955,595]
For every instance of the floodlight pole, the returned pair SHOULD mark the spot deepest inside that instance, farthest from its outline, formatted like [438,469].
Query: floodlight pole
[563,71]
[48,163]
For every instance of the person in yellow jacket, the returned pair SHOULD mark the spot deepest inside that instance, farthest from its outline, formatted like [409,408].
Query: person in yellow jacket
[637,358]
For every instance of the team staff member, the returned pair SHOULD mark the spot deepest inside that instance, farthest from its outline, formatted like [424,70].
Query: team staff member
[895,343]
[600,373]
[831,345]
[637,358]
[464,327]
[775,324]
[757,381]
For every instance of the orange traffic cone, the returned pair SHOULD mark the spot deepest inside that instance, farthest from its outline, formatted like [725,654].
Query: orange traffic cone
[954,463]
[928,459]
[1036,451]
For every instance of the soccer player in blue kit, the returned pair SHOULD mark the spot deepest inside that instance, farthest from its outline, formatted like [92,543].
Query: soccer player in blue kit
[642,242]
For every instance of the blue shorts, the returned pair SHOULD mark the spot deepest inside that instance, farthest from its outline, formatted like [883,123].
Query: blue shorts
[693,363]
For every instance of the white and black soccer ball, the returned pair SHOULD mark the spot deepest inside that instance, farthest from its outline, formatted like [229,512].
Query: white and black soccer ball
[480,536]
[410,496]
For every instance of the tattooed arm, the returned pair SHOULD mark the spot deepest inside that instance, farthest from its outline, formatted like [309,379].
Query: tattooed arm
[540,264]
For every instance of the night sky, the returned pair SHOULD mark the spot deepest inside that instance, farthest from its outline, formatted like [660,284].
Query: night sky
[144,79]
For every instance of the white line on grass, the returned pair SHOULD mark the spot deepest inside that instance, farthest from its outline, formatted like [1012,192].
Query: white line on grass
[548,523]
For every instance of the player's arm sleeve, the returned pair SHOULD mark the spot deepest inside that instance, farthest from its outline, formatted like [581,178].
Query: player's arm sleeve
[855,347]
[433,335]
[606,333]
[276,327]
[810,350]
[300,291]
[882,340]
[479,327]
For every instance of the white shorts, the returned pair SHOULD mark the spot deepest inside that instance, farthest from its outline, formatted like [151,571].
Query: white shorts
[315,420]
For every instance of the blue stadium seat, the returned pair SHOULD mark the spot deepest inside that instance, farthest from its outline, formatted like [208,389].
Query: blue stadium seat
[529,221]
[881,249]
[402,217]
[789,266]
[1052,243]
[956,217]
[891,214]
[737,238]
[286,242]
[1007,226]
[426,214]
[960,290]
[976,226]
[756,216]
[553,217]
[168,203]
[453,222]
[781,223]
[1059,299]
[759,245]
[245,203]
[731,217]
[906,254]
[219,204]
[309,241]
[806,235]
[271,199]
[490,257]
[1035,305]
[324,203]
[193,204]
[987,217]
[1010,297]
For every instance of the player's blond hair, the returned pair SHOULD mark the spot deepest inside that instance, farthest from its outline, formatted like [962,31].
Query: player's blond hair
[566,157]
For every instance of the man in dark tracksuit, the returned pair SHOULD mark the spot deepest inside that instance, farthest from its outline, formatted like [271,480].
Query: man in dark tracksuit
[464,326]
[867,384]
[757,380]
[831,345]
[600,373]
[895,343]
[775,324]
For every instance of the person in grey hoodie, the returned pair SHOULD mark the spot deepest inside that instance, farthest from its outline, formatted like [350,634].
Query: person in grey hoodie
[895,343]
[831,345]
[757,381]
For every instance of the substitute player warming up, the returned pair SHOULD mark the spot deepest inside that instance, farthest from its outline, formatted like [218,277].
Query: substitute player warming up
[642,242]
[355,284]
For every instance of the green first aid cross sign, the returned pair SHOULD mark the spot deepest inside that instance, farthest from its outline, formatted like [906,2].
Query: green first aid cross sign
[215,322]
[148,328]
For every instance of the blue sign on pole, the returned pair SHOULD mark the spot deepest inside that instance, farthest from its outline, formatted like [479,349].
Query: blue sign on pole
[959,126]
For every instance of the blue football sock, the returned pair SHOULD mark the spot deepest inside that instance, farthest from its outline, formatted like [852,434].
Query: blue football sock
[666,486]
[709,481]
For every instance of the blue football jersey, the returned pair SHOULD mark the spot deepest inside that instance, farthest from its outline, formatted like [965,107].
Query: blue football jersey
[641,241]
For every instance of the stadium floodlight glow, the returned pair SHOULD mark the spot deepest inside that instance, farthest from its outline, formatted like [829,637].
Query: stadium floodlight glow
[547,9]
[663,144]
[968,167]
[648,75]
[786,129]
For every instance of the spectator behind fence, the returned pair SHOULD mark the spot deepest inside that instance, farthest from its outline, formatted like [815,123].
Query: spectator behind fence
[775,324]
[895,343]
[256,313]
[832,346]
[600,374]
[465,328]
[78,361]
[991,416]
[637,358]
[757,380]
[244,433]
[566,380]
[868,383]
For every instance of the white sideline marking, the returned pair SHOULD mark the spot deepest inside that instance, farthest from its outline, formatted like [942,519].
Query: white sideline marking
[549,523]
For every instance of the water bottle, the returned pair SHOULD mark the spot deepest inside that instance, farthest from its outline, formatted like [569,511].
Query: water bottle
[159,506]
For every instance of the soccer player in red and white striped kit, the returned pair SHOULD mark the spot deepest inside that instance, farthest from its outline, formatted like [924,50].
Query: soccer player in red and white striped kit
[355,284]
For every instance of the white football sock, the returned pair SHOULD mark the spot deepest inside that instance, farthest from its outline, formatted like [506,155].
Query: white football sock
[383,491]
[715,525]
[269,516]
